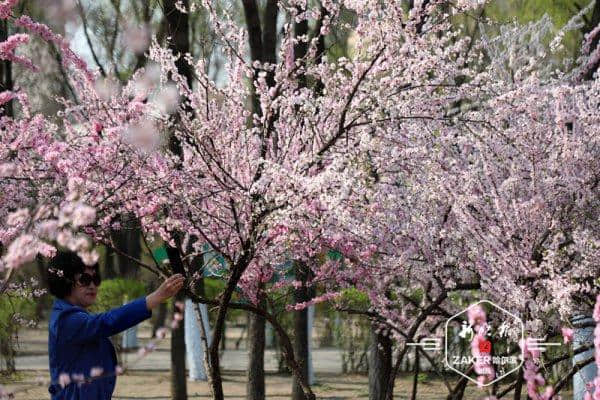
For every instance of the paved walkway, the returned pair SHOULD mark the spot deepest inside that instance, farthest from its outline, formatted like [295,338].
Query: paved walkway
[33,354]
[325,360]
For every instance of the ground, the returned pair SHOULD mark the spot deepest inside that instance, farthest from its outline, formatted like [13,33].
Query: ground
[148,378]
[154,385]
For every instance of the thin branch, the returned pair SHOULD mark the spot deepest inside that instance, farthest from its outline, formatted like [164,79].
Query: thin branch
[135,260]
[88,39]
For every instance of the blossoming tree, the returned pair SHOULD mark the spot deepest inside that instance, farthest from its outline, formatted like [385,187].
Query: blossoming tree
[411,158]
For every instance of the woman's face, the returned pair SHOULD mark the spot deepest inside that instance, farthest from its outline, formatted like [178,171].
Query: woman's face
[83,296]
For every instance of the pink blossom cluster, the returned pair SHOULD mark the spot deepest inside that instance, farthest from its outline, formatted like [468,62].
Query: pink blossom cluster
[483,363]
[28,289]
[567,334]
[6,7]
[534,379]
[7,50]
[68,56]
[315,300]
[66,182]
[6,96]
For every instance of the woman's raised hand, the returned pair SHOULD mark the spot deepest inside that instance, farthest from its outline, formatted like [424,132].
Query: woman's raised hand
[167,289]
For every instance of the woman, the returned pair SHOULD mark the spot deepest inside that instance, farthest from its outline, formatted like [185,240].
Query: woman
[78,341]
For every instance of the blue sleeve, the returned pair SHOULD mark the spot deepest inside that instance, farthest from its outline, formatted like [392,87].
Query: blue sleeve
[81,327]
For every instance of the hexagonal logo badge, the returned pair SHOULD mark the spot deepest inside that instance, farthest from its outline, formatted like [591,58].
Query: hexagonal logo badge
[482,343]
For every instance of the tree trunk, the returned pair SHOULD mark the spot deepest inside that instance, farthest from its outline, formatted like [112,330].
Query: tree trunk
[262,43]
[255,386]
[301,294]
[194,340]
[380,364]
[301,351]
[587,28]
[459,391]
[176,25]
[6,80]
[127,240]
[519,385]
[415,376]
[109,264]
[215,377]
[161,316]
[178,380]
[7,352]
[193,326]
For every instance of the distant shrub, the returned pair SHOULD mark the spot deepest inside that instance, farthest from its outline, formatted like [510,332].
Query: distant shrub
[15,312]
[115,292]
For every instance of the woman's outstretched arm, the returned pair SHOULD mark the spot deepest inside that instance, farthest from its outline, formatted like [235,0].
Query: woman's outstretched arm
[78,326]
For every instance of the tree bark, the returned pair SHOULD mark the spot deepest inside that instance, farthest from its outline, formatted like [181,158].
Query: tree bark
[41,306]
[7,352]
[178,376]
[459,391]
[416,375]
[160,319]
[255,386]
[301,294]
[215,377]
[269,38]
[380,363]
[262,41]
[301,352]
[6,79]
[593,22]
[127,240]
[252,17]
[519,385]
[178,380]
[301,48]
[176,25]
[197,342]
[109,264]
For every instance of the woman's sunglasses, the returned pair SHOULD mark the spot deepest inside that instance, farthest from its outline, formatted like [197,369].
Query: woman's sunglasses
[85,279]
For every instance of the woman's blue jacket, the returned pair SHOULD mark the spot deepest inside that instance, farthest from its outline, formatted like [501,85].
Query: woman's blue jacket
[78,341]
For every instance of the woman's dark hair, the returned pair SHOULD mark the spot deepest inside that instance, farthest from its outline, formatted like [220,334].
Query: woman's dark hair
[62,270]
